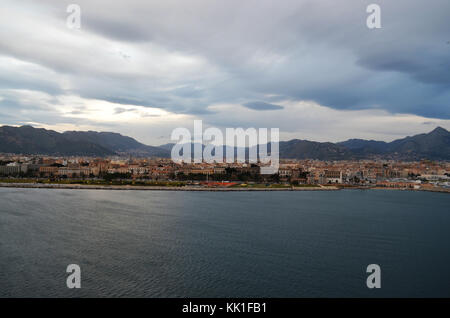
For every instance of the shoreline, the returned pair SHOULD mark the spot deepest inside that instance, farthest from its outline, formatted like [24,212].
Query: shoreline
[192,188]
[153,188]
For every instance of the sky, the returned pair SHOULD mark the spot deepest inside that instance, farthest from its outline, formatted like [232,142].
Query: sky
[311,68]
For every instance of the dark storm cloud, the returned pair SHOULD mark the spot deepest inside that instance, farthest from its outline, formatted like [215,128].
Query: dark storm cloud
[424,66]
[262,106]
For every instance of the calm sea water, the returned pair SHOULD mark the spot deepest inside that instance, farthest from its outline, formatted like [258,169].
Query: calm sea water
[208,244]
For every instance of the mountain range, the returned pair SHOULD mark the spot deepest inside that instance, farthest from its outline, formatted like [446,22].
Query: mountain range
[434,145]
[29,140]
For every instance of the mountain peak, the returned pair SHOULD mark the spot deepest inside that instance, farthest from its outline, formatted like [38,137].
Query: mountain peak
[440,131]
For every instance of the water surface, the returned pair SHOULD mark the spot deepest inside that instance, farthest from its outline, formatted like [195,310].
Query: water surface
[224,244]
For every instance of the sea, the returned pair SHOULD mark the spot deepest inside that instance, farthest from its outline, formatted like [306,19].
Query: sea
[224,244]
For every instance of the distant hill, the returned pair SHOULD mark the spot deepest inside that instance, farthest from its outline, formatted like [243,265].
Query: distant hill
[362,146]
[117,143]
[29,140]
[168,146]
[434,145]
[304,149]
